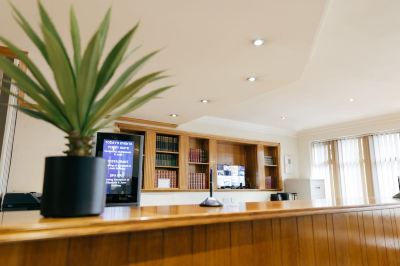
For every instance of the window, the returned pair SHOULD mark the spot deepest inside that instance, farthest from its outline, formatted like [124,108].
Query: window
[385,153]
[322,164]
[8,116]
[360,168]
[351,175]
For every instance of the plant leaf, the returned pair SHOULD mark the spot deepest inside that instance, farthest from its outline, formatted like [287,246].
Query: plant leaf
[46,88]
[103,30]
[127,75]
[108,103]
[113,59]
[51,117]
[63,76]
[88,75]
[49,25]
[76,39]
[86,79]
[130,107]
[38,115]
[25,83]
[30,32]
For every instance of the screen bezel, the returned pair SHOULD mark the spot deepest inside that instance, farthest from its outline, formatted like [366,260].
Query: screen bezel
[134,197]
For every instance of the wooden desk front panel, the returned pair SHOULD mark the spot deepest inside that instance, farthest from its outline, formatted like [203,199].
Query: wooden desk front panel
[348,238]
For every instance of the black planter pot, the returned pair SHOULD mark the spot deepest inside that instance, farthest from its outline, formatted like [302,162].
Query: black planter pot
[73,186]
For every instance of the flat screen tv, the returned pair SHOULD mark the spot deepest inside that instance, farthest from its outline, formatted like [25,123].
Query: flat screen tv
[230,176]
[124,155]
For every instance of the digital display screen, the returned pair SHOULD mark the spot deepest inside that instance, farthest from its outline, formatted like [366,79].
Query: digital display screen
[119,155]
[230,175]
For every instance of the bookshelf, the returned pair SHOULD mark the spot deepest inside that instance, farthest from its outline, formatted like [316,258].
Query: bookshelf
[198,163]
[167,161]
[186,158]
[271,168]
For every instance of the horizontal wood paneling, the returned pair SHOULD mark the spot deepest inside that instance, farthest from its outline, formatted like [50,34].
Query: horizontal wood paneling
[348,238]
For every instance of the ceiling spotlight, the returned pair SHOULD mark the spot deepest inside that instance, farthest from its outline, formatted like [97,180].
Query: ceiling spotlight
[351,100]
[258,42]
[173,115]
[283,117]
[204,101]
[251,79]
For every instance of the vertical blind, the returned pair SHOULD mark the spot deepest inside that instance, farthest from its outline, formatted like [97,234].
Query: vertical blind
[322,164]
[385,155]
[351,163]
[367,167]
[8,121]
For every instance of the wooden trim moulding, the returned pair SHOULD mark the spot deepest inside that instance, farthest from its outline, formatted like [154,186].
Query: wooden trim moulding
[219,138]
[146,122]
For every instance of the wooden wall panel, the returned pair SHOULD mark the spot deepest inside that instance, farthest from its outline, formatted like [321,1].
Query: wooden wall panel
[10,254]
[306,239]
[183,159]
[52,252]
[241,244]
[396,230]
[348,238]
[263,243]
[331,239]
[99,250]
[320,239]
[199,246]
[363,245]
[370,239]
[380,237]
[353,231]
[289,241]
[178,246]
[261,168]
[212,156]
[218,244]
[389,235]
[341,238]
[276,238]
[146,248]
[149,160]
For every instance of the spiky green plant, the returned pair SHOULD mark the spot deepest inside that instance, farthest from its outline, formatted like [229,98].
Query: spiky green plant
[83,101]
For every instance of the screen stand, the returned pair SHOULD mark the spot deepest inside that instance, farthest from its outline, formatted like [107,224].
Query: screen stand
[211,201]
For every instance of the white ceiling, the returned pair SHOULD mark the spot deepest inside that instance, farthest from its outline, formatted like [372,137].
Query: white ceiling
[318,54]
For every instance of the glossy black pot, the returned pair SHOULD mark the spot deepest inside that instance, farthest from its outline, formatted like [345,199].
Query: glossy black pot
[73,186]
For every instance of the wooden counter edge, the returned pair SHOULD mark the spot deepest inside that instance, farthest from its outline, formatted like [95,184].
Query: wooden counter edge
[110,227]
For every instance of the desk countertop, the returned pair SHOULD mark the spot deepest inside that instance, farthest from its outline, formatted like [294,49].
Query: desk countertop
[29,225]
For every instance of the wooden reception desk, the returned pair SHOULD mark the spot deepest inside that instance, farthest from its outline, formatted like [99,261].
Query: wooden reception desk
[263,233]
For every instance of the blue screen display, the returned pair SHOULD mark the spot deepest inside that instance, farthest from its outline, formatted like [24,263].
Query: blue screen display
[119,155]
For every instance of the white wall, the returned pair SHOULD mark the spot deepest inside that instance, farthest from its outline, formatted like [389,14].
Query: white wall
[177,198]
[34,140]
[379,124]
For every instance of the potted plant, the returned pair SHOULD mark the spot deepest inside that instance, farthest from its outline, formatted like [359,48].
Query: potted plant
[83,101]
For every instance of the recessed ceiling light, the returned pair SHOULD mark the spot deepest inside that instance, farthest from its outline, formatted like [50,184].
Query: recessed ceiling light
[173,115]
[283,117]
[204,101]
[258,42]
[251,79]
[351,100]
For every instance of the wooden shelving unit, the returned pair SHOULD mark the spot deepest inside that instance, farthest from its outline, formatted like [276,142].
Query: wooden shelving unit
[198,163]
[271,168]
[243,154]
[167,161]
[193,153]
